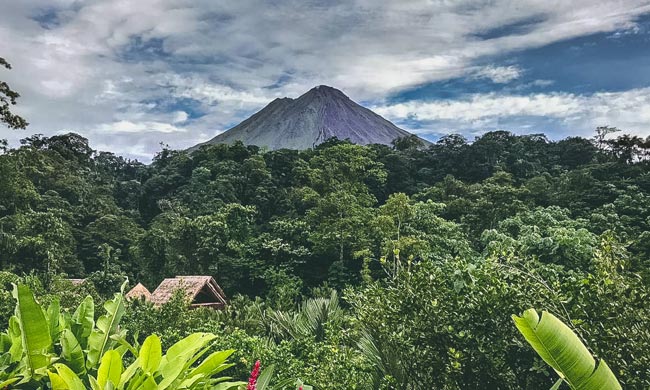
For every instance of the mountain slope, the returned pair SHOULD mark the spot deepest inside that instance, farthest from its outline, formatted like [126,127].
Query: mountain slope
[321,113]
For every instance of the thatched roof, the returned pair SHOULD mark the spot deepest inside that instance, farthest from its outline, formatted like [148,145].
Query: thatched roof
[137,292]
[199,290]
[77,282]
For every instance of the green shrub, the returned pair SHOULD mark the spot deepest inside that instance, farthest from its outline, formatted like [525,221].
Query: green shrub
[45,345]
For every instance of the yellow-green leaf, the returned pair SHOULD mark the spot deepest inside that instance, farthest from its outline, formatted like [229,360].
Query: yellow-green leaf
[150,354]
[100,340]
[110,369]
[56,382]
[72,381]
[72,352]
[560,348]
[83,321]
[213,363]
[34,330]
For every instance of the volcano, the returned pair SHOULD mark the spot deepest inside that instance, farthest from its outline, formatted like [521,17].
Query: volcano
[302,123]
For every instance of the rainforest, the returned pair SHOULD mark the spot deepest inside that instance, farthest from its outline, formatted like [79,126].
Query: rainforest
[344,266]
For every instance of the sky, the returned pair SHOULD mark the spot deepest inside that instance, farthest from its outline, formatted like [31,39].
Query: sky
[132,75]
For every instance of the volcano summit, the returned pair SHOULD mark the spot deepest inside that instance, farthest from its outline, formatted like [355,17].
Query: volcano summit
[321,113]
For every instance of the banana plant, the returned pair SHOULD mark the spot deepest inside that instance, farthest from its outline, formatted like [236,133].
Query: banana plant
[7,362]
[177,369]
[100,339]
[561,348]
[92,353]
[27,349]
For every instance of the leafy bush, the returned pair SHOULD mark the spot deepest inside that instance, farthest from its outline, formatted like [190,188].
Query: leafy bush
[445,324]
[75,352]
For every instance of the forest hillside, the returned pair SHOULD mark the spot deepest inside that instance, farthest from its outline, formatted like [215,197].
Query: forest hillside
[351,266]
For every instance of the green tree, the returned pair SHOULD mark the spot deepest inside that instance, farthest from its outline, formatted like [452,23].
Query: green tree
[44,243]
[345,166]
[410,231]
[339,227]
[118,231]
[549,235]
[7,99]
[17,192]
[601,135]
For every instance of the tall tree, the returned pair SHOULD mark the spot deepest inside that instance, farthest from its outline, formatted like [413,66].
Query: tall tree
[7,99]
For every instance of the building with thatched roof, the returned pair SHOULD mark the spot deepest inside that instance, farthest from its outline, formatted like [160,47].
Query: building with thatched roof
[201,291]
[138,292]
[77,282]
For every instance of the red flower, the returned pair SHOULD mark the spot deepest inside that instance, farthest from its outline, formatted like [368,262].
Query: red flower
[252,381]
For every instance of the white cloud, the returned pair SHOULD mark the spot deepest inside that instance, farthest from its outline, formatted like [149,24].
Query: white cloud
[180,116]
[137,127]
[86,72]
[499,74]
[628,110]
[485,105]
[212,93]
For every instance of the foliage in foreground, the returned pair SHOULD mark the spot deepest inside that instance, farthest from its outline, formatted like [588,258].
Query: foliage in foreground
[445,344]
[458,332]
[75,352]
[562,349]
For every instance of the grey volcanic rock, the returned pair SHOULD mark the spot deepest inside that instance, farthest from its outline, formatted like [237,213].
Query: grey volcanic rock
[321,113]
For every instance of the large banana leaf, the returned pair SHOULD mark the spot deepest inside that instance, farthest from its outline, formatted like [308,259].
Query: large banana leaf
[181,355]
[265,378]
[227,386]
[16,349]
[128,374]
[72,352]
[34,331]
[83,321]
[562,349]
[110,370]
[150,354]
[213,364]
[99,340]
[65,379]
[55,319]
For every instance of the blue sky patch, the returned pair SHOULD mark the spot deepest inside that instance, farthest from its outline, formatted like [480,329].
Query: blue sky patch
[47,18]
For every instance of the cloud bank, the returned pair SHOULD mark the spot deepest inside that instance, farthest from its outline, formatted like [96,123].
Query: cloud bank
[130,75]
[629,110]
